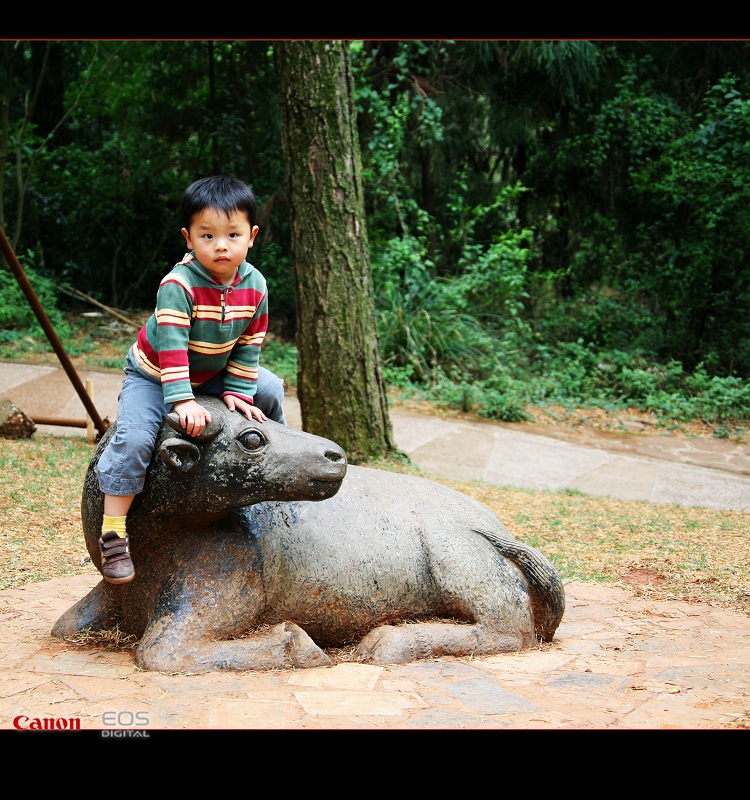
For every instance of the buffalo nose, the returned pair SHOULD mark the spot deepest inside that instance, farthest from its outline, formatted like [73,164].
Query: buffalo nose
[335,455]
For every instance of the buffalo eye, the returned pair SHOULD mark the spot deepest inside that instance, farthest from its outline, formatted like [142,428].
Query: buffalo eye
[251,441]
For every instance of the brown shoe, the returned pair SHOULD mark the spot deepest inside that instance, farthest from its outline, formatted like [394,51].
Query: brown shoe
[117,566]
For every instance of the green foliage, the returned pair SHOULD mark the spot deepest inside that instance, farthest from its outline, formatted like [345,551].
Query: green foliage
[606,317]
[423,334]
[485,398]
[493,273]
[421,331]
[281,358]
[277,268]
[16,312]
[687,190]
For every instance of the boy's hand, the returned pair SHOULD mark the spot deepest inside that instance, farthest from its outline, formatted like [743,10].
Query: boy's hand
[193,417]
[248,409]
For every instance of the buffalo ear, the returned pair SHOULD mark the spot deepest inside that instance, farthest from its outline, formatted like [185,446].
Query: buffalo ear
[180,455]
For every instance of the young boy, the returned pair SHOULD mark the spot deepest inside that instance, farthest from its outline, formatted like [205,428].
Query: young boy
[204,337]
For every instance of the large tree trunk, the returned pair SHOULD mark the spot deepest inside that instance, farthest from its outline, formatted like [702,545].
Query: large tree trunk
[340,382]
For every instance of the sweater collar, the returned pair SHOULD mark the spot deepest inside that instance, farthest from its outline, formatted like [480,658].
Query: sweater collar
[192,263]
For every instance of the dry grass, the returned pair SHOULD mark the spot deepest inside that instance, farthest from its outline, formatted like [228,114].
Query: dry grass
[659,551]
[40,498]
[107,639]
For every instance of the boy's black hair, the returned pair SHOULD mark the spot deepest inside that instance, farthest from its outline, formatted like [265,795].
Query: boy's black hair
[221,193]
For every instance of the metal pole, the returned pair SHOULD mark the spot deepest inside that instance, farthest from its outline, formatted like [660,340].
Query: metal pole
[44,321]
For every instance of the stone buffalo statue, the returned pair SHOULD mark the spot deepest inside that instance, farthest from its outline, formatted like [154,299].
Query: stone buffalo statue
[256,546]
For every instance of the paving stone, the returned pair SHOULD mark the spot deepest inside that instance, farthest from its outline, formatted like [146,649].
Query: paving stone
[484,696]
[583,682]
[357,677]
[358,703]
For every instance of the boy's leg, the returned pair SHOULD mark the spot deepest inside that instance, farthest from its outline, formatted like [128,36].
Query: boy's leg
[140,413]
[269,396]
[122,469]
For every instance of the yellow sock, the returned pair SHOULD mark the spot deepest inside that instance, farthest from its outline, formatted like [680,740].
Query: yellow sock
[116,524]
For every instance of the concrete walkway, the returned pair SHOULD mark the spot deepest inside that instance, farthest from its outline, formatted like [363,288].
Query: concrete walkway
[709,473]
[617,662]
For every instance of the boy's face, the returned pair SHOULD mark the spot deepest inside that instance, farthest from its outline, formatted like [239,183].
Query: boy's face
[220,242]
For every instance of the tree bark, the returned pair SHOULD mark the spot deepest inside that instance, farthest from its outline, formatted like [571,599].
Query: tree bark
[340,383]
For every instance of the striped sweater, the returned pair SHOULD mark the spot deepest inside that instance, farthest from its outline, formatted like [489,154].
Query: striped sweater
[200,328]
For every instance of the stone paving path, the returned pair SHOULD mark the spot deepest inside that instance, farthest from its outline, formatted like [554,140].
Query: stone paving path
[617,662]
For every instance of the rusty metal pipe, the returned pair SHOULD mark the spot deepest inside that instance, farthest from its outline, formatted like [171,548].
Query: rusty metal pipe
[64,423]
[49,331]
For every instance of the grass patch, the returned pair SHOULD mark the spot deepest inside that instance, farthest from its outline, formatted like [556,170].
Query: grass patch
[40,505]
